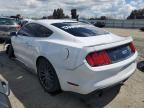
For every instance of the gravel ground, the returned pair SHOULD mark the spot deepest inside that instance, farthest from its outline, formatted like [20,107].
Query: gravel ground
[26,91]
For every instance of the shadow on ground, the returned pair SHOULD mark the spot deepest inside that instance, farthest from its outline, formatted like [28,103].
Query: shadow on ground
[26,88]
[140,66]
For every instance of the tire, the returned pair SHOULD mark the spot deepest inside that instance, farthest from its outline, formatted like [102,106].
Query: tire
[2,40]
[8,43]
[47,76]
[10,52]
[7,50]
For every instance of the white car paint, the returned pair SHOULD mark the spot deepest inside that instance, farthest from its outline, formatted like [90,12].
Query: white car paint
[67,55]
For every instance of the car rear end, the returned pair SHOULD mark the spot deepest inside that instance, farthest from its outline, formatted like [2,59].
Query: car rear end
[103,66]
[101,60]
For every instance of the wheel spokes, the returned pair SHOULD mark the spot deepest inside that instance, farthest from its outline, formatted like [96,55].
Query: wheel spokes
[45,77]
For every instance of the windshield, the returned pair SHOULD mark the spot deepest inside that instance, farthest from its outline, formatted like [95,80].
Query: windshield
[6,21]
[80,29]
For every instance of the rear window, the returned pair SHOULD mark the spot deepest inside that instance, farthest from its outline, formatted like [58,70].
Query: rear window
[6,21]
[80,29]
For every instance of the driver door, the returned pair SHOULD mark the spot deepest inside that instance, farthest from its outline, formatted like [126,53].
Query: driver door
[22,44]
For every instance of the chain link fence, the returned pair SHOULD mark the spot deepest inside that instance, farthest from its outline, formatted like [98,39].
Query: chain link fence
[122,23]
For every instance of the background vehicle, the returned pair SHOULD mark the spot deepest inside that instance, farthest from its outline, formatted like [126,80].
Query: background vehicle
[73,56]
[7,25]
[84,21]
[142,28]
[24,21]
[4,92]
[99,24]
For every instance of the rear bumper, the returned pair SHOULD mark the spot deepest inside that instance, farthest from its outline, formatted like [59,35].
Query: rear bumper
[89,79]
[116,79]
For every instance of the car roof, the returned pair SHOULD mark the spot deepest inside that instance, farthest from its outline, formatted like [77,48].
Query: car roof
[51,21]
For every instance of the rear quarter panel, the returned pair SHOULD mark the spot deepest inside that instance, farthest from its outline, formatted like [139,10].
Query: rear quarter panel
[61,54]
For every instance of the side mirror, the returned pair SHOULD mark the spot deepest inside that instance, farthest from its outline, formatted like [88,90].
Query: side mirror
[13,34]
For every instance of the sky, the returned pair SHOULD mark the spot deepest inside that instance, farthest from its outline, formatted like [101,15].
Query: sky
[85,8]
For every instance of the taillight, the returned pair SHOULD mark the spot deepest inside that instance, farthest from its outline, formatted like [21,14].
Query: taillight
[132,47]
[98,58]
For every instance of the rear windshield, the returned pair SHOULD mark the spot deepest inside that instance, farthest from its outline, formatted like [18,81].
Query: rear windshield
[6,21]
[80,29]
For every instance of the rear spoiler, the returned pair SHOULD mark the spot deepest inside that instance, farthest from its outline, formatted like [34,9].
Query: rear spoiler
[102,46]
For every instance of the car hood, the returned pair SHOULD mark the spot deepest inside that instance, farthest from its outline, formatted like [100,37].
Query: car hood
[102,39]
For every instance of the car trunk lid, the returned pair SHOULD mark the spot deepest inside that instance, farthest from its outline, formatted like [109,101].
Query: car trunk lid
[117,48]
[100,40]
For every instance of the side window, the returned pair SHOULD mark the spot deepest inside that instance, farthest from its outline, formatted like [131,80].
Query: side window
[40,31]
[25,31]
[35,30]
[44,32]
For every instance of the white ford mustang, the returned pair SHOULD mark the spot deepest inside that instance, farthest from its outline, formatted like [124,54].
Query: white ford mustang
[73,56]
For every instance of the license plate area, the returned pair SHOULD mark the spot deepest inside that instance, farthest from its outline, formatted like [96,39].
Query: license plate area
[119,53]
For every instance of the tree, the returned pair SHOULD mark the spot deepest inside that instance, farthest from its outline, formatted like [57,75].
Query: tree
[58,13]
[44,17]
[50,17]
[74,14]
[55,14]
[136,14]
[66,16]
[103,17]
